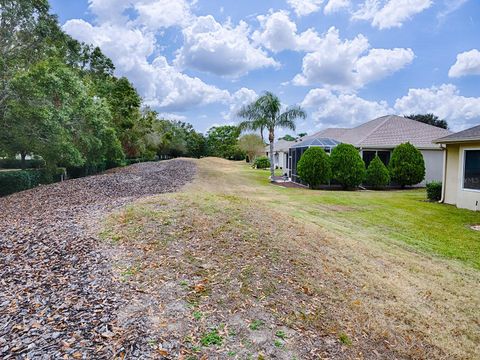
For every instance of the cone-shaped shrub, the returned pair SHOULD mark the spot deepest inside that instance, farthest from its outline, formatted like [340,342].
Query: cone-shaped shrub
[377,174]
[348,168]
[407,166]
[314,167]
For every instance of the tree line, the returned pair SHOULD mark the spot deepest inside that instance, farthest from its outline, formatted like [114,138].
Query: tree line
[60,101]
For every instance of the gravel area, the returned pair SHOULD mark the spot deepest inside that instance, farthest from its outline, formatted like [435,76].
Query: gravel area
[58,295]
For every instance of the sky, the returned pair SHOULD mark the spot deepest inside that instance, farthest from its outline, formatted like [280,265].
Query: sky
[344,61]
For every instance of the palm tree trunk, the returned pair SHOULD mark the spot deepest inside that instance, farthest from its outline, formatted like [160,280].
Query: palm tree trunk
[271,138]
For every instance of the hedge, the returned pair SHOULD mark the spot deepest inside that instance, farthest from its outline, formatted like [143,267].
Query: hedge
[19,180]
[17,164]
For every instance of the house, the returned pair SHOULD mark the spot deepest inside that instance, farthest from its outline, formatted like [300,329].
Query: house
[461,178]
[379,137]
[280,153]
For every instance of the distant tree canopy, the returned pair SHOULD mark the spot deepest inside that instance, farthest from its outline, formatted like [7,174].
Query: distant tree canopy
[222,141]
[429,119]
[60,99]
[252,145]
[287,138]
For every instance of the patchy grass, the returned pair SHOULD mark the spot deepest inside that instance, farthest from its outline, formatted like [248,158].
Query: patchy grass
[256,324]
[314,264]
[211,338]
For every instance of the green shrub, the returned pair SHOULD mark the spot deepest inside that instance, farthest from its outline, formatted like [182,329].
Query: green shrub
[261,162]
[17,164]
[314,167]
[14,181]
[407,166]
[19,180]
[348,168]
[377,174]
[434,190]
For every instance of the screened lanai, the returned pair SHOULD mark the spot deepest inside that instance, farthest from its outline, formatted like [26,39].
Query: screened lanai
[295,152]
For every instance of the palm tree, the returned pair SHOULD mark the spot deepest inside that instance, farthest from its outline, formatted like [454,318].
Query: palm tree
[265,113]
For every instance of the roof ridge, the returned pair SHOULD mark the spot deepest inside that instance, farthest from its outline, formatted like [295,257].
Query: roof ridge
[374,129]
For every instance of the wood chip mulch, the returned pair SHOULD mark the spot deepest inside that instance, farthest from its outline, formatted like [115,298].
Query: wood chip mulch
[58,295]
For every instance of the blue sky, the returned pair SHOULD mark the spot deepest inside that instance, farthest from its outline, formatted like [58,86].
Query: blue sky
[344,61]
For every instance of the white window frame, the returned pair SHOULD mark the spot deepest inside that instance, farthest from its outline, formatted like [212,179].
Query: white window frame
[462,177]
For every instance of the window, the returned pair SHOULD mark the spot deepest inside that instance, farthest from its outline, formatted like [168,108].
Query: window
[368,156]
[471,174]
[385,157]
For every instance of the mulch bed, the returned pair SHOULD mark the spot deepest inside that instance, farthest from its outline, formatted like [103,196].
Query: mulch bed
[58,295]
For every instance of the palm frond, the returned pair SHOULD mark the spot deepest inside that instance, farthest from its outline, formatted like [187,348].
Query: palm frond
[287,118]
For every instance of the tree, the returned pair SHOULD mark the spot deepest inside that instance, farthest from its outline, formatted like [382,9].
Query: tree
[196,144]
[266,113]
[50,114]
[25,26]
[252,145]
[348,167]
[302,134]
[429,119]
[377,174]
[407,166]
[287,138]
[314,167]
[222,141]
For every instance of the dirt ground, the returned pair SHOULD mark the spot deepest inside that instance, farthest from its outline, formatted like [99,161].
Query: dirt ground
[221,271]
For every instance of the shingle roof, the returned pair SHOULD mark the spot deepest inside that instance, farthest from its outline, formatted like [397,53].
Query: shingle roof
[280,145]
[471,134]
[388,131]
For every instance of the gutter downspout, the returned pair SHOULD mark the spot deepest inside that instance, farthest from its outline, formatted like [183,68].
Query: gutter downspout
[444,181]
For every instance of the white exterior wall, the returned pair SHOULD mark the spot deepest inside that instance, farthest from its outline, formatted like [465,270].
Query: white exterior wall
[279,159]
[433,165]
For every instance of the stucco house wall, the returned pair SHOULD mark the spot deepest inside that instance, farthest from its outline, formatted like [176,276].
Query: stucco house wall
[451,174]
[454,193]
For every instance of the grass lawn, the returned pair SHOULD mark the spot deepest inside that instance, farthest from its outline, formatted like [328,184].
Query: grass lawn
[400,217]
[255,270]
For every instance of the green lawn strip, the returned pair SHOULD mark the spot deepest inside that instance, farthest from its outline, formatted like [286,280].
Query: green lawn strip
[402,217]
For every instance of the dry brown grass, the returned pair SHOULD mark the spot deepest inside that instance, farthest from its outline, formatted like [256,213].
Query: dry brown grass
[230,249]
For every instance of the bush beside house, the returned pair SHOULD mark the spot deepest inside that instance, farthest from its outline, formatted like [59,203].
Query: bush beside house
[434,191]
[348,167]
[407,166]
[314,167]
[261,162]
[377,175]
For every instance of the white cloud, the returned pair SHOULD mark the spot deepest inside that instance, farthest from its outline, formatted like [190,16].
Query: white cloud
[170,116]
[444,101]
[238,99]
[161,85]
[349,64]
[334,109]
[468,63]
[157,14]
[336,5]
[450,6]
[305,7]
[277,33]
[385,14]
[154,14]
[220,49]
